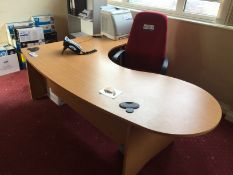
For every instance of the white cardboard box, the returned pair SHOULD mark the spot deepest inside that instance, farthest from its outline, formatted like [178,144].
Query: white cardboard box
[30,34]
[9,64]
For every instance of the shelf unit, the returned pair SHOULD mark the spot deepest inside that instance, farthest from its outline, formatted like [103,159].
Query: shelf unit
[78,26]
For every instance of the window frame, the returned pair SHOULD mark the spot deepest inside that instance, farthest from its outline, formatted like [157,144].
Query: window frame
[221,18]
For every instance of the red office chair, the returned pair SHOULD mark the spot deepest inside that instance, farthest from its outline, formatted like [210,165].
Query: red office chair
[145,50]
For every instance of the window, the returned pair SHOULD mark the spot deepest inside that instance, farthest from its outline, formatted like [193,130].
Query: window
[164,4]
[204,10]
[209,8]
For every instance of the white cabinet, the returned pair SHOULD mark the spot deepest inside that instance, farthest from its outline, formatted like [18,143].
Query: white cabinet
[87,27]
[90,27]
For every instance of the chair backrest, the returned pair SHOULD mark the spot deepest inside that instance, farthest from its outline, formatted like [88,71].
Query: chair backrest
[146,45]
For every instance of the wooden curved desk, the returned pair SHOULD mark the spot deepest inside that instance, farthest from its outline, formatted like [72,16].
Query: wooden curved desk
[169,107]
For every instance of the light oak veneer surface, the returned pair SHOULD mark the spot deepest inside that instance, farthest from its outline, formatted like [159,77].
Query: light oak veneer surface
[167,105]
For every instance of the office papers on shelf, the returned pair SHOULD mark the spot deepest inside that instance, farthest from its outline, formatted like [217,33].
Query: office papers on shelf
[113,93]
[86,15]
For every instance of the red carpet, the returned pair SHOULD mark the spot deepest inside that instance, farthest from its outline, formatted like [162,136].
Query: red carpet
[40,138]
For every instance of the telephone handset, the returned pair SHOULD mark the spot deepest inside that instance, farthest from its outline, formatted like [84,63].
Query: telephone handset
[75,47]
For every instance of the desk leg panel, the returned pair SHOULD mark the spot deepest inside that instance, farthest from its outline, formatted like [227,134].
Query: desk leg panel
[111,126]
[37,83]
[141,146]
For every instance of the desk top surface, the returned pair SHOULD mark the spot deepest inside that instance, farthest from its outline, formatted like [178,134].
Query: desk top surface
[167,105]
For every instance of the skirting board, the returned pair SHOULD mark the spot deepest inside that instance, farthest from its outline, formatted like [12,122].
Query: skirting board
[226,110]
[229,116]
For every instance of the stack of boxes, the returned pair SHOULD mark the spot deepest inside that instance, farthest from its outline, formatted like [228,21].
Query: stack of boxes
[10,28]
[40,30]
[48,25]
[24,34]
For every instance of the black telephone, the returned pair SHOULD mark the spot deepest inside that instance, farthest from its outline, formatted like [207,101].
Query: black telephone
[75,47]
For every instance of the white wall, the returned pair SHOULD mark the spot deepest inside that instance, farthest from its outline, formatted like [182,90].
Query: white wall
[202,55]
[21,10]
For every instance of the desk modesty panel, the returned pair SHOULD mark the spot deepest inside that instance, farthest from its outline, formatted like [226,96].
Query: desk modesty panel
[167,105]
